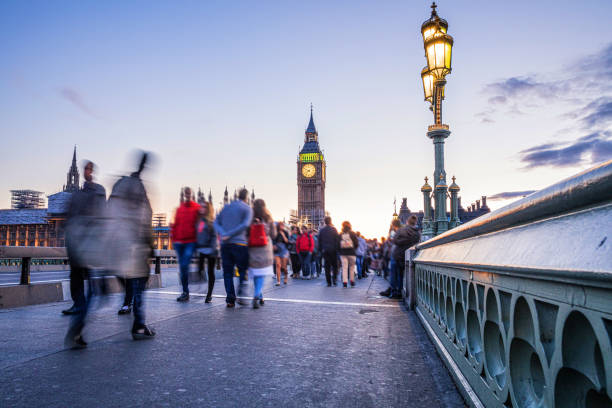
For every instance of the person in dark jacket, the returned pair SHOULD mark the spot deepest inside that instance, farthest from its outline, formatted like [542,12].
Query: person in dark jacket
[184,238]
[328,247]
[207,245]
[296,265]
[348,242]
[83,231]
[404,238]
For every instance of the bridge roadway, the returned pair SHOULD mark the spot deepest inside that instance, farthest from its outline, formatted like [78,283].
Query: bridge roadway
[309,346]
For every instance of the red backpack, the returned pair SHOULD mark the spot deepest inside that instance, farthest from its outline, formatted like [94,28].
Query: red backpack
[257,235]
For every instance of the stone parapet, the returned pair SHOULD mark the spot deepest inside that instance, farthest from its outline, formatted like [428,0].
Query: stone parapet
[518,301]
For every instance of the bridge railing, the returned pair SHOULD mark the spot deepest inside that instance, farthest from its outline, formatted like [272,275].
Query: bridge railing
[26,254]
[519,301]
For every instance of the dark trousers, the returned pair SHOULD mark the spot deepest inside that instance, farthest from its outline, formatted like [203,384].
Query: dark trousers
[397,277]
[77,284]
[138,286]
[305,260]
[234,255]
[129,291]
[296,265]
[210,271]
[81,302]
[330,258]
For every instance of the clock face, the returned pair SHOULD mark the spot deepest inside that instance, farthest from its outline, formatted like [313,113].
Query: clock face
[308,170]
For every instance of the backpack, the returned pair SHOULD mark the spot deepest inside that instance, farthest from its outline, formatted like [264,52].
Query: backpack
[257,235]
[346,241]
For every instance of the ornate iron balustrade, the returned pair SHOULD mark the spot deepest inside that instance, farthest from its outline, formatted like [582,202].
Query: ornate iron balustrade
[519,301]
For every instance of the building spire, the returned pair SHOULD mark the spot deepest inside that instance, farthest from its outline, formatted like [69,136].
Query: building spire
[311,126]
[72,181]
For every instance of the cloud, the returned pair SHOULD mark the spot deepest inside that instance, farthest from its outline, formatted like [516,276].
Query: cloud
[509,194]
[590,149]
[77,100]
[584,88]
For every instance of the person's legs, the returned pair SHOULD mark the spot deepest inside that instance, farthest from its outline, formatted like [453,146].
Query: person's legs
[258,282]
[305,261]
[77,323]
[77,289]
[283,268]
[358,259]
[138,285]
[295,265]
[211,276]
[277,262]
[242,263]
[183,271]
[345,266]
[351,265]
[201,258]
[228,263]
[331,266]
[397,273]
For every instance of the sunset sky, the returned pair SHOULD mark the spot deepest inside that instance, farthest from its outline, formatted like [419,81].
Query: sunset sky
[220,91]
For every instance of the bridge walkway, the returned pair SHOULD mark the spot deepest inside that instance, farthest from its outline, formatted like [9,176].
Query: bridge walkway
[309,346]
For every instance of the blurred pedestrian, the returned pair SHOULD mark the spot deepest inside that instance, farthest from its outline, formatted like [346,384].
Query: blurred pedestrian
[231,225]
[293,254]
[129,240]
[262,233]
[281,253]
[207,245]
[184,238]
[347,242]
[360,253]
[328,248]
[83,244]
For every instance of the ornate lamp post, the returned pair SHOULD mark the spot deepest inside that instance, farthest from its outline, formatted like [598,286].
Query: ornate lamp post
[438,50]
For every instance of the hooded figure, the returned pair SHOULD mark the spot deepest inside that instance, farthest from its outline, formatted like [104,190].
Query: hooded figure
[129,241]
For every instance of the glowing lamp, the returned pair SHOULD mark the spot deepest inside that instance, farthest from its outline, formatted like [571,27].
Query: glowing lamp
[438,50]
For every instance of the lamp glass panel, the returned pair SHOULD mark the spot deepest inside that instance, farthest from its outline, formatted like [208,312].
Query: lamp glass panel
[430,56]
[447,55]
[439,51]
[427,85]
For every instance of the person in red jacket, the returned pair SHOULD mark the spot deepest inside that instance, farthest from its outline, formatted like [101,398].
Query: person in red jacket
[184,238]
[304,246]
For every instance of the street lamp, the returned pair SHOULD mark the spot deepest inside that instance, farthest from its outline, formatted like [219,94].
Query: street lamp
[438,52]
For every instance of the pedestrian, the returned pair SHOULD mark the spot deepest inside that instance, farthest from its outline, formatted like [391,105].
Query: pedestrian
[360,252]
[315,269]
[262,234]
[231,225]
[296,265]
[304,246]
[129,240]
[83,245]
[347,241]
[281,253]
[184,236]
[207,245]
[404,238]
[328,247]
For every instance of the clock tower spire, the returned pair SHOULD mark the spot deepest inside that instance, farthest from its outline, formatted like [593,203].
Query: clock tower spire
[311,168]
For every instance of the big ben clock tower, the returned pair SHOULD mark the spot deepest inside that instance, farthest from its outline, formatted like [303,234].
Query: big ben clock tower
[311,178]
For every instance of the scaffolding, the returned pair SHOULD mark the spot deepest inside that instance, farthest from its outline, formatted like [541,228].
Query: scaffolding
[159,220]
[26,199]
